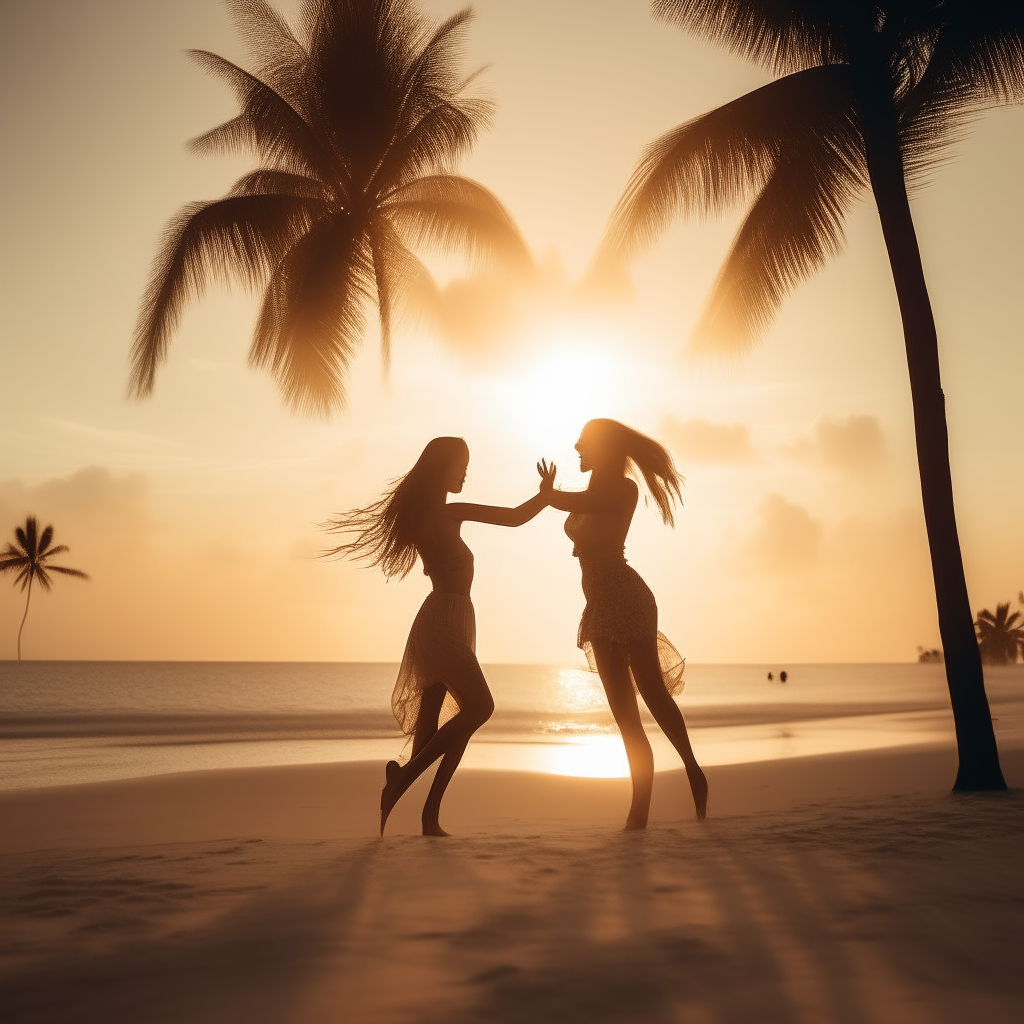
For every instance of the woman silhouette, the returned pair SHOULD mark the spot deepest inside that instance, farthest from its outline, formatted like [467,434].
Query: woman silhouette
[619,628]
[440,697]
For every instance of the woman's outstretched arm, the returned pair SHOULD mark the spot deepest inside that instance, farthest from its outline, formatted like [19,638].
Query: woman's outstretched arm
[622,496]
[496,515]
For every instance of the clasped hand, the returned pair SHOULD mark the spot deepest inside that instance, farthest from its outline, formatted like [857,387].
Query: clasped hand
[547,476]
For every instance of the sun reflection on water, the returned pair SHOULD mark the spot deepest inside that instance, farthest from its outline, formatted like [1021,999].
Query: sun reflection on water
[579,690]
[596,751]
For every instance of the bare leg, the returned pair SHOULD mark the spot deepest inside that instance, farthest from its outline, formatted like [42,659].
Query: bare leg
[643,658]
[613,668]
[443,775]
[467,685]
[430,710]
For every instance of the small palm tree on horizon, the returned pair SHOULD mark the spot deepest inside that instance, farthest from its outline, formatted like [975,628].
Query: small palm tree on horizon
[869,96]
[357,121]
[30,559]
[1000,635]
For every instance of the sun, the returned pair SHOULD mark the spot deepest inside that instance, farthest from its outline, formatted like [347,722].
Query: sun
[576,376]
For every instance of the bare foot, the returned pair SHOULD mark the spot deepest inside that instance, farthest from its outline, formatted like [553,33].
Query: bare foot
[699,789]
[434,830]
[634,826]
[390,794]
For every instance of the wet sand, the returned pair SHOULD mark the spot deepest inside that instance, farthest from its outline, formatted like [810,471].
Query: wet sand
[842,888]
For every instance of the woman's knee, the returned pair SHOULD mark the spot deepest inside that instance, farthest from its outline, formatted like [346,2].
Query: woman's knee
[483,709]
[475,707]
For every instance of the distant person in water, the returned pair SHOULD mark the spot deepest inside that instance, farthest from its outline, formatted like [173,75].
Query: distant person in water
[783,676]
[441,697]
[619,628]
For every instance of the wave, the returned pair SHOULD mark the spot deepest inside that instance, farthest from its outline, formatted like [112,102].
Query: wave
[220,727]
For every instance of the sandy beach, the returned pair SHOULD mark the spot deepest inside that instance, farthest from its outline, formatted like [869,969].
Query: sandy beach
[840,888]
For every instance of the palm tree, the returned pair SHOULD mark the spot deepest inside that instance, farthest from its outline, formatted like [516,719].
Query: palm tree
[30,558]
[869,97]
[1000,636]
[357,121]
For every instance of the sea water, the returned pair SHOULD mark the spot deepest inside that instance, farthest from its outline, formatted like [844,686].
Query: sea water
[66,722]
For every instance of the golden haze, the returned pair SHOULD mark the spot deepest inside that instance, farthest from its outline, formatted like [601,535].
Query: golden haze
[802,536]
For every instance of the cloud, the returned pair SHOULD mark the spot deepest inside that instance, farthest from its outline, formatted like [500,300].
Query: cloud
[90,500]
[490,314]
[855,444]
[787,539]
[703,441]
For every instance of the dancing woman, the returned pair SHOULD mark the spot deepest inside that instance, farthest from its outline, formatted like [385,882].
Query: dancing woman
[619,628]
[441,697]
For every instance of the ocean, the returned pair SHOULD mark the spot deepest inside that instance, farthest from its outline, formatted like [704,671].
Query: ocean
[65,722]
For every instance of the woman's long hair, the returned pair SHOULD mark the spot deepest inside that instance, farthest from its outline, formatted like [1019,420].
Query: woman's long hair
[642,453]
[385,530]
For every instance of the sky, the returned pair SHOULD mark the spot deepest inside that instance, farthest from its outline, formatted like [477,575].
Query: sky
[195,511]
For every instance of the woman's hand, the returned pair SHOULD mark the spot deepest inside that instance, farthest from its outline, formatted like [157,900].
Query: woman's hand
[547,476]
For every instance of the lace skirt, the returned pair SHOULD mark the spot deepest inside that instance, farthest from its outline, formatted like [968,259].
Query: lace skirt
[621,608]
[442,638]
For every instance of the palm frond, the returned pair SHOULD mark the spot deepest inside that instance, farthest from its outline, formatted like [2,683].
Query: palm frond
[280,59]
[792,230]
[781,35]
[405,288]
[723,157]
[239,238]
[12,559]
[439,51]
[65,571]
[44,541]
[981,49]
[27,537]
[43,578]
[268,125]
[268,182]
[451,213]
[431,79]
[976,61]
[435,142]
[313,315]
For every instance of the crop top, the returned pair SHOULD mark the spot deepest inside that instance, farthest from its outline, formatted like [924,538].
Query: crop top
[595,534]
[452,575]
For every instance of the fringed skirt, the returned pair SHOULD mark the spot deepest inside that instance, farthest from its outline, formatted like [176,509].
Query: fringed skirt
[621,609]
[441,642]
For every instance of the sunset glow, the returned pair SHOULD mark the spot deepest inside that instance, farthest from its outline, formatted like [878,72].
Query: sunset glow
[561,388]
[195,511]
[337,685]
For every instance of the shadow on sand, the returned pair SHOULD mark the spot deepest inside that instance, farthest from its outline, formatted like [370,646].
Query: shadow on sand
[859,913]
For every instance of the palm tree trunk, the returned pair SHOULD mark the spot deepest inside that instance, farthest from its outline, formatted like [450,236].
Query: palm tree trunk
[25,616]
[976,744]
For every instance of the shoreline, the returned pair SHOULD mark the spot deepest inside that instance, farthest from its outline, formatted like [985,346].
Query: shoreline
[338,800]
[86,749]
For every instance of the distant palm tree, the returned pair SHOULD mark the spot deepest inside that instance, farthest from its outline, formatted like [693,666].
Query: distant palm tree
[357,122]
[871,94]
[30,559]
[1000,636]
